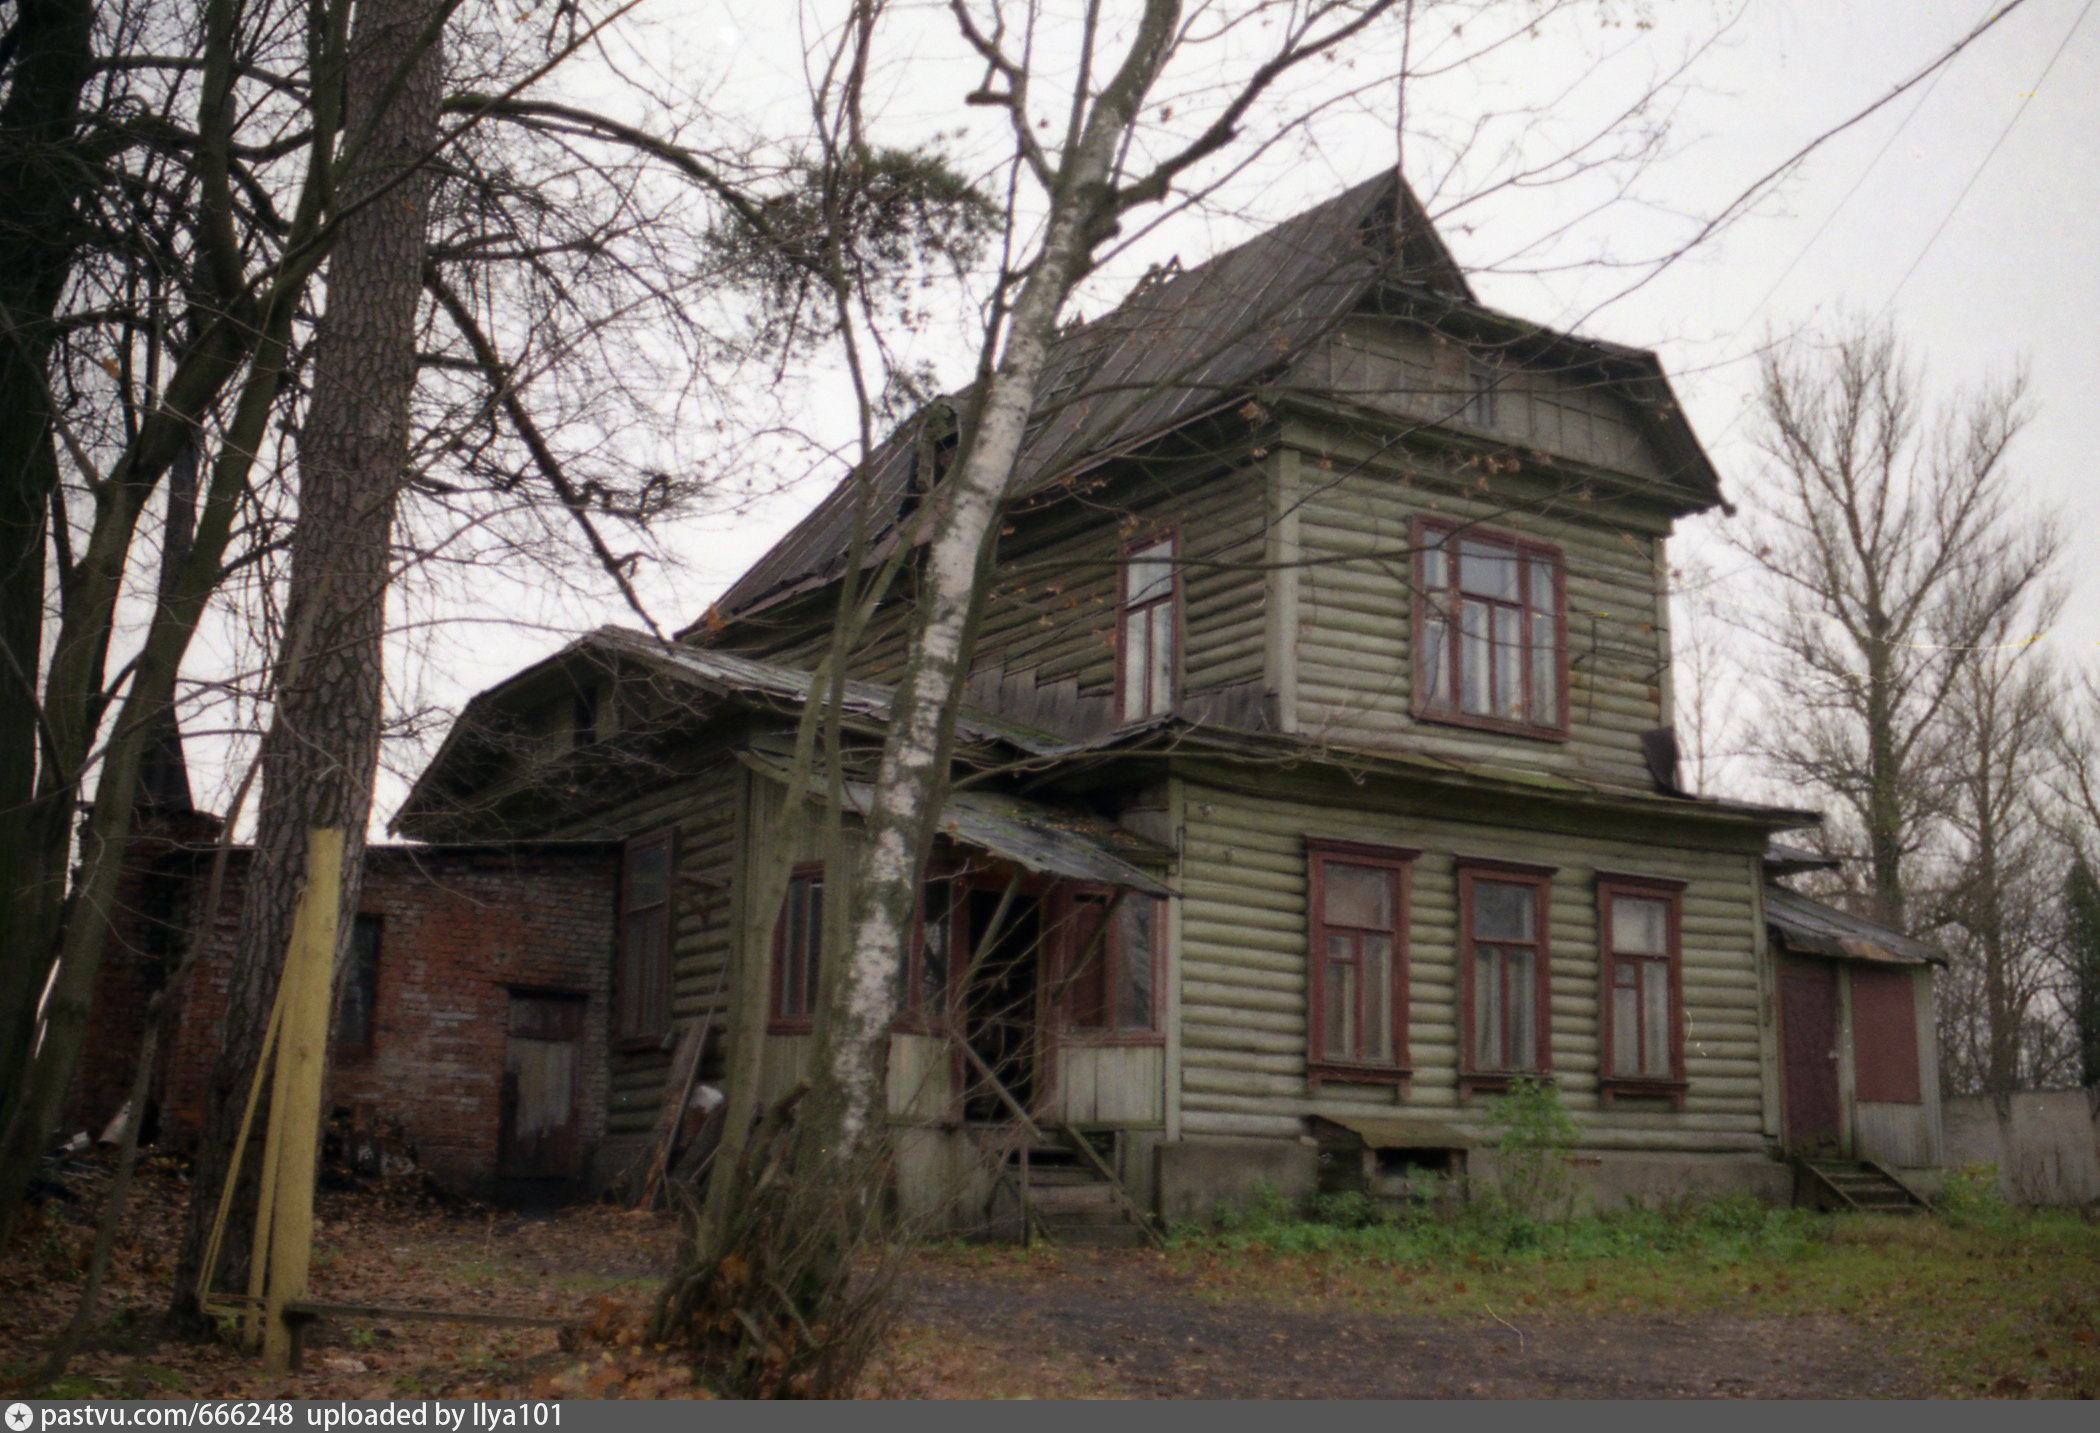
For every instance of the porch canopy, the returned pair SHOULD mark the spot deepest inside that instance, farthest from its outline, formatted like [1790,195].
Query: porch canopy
[1046,840]
[1807,927]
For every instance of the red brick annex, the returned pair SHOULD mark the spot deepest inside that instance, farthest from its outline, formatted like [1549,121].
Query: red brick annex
[469,1030]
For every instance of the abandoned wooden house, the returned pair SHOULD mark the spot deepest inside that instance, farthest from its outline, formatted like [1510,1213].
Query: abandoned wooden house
[1314,776]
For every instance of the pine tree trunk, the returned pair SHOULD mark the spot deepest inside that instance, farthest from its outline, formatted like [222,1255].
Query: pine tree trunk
[321,750]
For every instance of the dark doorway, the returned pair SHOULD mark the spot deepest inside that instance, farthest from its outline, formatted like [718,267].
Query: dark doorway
[541,1130]
[1808,1035]
[1000,1016]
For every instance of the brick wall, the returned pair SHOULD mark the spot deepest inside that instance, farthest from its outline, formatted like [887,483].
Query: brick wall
[460,928]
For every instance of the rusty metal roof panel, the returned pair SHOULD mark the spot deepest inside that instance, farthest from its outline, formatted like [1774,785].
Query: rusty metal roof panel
[1809,927]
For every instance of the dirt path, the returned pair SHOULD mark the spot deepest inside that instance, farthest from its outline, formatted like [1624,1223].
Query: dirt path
[1132,1328]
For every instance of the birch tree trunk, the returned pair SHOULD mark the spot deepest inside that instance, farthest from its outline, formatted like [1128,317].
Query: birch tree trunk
[320,752]
[840,1133]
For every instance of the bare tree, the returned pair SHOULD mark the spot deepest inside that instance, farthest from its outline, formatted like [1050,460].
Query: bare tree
[1893,550]
[1998,911]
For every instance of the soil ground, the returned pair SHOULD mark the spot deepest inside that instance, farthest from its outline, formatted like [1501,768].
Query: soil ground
[982,1322]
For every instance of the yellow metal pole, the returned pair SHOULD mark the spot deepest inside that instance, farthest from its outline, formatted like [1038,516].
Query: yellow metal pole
[295,1110]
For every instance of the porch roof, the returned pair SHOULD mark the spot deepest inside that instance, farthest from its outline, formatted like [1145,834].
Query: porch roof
[1809,927]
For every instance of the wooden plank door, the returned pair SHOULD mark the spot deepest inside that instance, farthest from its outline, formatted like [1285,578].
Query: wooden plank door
[541,1132]
[1808,1035]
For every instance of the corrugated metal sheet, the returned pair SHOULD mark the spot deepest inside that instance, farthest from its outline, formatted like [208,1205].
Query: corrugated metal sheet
[1812,928]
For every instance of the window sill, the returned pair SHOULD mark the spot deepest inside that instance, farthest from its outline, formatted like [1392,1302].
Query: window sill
[1086,1038]
[1611,1087]
[791,1027]
[1398,1077]
[1493,724]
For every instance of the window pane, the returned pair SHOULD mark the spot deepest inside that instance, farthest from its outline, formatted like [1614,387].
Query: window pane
[1486,570]
[1655,1008]
[1134,952]
[1151,572]
[1625,1023]
[1523,1002]
[1640,925]
[1542,586]
[1339,992]
[1545,672]
[648,874]
[1502,911]
[1436,574]
[1509,664]
[1473,647]
[1360,896]
[1487,1009]
[1378,998]
[1436,663]
[1136,662]
[932,994]
[1161,685]
[1086,980]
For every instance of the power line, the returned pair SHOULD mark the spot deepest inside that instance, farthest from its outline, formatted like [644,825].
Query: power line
[2025,100]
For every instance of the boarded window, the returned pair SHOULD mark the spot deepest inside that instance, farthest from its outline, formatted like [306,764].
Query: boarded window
[1885,1036]
[1357,943]
[356,1018]
[1504,914]
[1490,630]
[1146,654]
[643,976]
[798,941]
[1109,944]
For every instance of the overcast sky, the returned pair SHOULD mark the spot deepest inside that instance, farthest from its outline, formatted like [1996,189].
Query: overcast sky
[1963,211]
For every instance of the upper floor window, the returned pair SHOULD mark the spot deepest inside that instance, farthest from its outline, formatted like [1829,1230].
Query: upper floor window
[1643,995]
[1357,938]
[1504,913]
[798,940]
[1490,630]
[1145,636]
[1481,377]
[1109,962]
[356,1017]
[642,981]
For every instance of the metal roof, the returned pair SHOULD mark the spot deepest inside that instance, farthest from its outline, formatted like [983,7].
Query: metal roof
[1193,343]
[1809,927]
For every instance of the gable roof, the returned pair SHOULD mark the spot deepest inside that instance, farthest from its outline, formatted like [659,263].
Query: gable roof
[1188,344]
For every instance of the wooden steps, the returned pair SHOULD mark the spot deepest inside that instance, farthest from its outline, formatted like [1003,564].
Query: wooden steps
[1070,1199]
[1860,1186]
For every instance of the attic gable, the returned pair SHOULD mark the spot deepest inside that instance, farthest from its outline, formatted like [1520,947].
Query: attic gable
[1189,344]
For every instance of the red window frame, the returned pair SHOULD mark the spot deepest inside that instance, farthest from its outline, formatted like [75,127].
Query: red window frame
[641,984]
[1100,985]
[1611,1081]
[1398,864]
[1472,873]
[1158,611]
[792,1006]
[1439,604]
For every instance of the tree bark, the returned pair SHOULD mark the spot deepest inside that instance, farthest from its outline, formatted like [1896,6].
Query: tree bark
[320,752]
[40,181]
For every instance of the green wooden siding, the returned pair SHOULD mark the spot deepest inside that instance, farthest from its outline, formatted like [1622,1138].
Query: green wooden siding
[1243,974]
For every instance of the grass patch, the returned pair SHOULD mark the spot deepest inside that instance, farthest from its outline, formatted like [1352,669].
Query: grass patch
[1999,1303]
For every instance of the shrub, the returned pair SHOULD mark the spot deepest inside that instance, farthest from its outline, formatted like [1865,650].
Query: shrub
[1536,1133]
